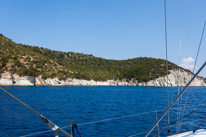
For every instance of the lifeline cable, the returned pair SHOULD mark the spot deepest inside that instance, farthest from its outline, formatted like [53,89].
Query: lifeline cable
[104,120]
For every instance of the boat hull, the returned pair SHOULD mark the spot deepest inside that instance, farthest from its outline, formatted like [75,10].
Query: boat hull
[198,133]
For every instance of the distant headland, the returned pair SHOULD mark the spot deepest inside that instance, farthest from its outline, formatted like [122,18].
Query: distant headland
[31,65]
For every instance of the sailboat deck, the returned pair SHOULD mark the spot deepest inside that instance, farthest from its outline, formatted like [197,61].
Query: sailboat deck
[198,133]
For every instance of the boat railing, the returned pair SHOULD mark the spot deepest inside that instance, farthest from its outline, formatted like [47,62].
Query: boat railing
[118,118]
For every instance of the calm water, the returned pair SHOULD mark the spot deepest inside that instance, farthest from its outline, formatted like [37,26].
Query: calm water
[67,105]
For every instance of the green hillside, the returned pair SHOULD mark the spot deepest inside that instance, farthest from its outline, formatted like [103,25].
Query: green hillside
[35,61]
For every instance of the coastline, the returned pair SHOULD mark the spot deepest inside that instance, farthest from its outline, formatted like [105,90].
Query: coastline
[174,80]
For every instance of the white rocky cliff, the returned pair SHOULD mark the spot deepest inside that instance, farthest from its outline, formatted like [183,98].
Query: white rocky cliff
[175,78]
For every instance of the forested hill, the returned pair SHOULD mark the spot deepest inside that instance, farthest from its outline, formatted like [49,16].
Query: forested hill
[27,60]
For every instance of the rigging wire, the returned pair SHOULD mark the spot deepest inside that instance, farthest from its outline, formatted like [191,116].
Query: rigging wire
[175,100]
[193,71]
[182,118]
[202,106]
[178,90]
[164,128]
[175,125]
[165,11]
[199,46]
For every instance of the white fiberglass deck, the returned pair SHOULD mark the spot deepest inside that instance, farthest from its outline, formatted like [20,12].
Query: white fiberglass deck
[198,133]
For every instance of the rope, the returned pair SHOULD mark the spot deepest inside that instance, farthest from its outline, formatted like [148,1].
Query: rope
[166,63]
[193,69]
[199,125]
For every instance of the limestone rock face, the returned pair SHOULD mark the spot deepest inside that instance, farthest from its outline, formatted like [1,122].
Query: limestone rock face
[6,79]
[21,81]
[175,78]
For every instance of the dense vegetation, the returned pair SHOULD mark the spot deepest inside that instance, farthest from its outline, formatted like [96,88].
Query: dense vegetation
[35,61]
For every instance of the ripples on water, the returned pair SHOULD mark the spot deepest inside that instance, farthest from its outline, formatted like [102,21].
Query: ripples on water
[67,105]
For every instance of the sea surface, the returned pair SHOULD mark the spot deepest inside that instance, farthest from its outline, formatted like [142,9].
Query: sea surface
[102,111]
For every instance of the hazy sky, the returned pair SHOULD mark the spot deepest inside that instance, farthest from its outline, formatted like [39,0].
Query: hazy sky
[112,29]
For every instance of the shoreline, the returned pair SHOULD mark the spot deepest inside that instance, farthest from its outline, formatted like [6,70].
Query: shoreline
[87,86]
[174,80]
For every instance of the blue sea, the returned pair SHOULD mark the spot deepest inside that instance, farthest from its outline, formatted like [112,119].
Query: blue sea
[102,111]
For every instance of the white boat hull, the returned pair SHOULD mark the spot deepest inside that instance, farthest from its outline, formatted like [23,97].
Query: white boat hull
[198,133]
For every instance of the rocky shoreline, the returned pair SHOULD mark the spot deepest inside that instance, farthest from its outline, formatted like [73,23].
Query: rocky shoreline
[175,78]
